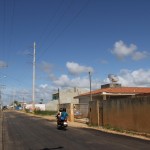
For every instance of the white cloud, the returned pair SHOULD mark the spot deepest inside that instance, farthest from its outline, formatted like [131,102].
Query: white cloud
[65,81]
[75,68]
[138,77]
[126,77]
[82,82]
[131,78]
[3,64]
[44,91]
[103,61]
[43,86]
[48,68]
[139,55]
[62,81]
[121,50]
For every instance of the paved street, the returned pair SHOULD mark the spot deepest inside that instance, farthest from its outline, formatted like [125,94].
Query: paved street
[23,132]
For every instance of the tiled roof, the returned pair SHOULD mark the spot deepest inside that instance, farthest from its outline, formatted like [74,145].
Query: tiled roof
[121,90]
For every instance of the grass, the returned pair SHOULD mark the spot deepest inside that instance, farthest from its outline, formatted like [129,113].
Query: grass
[43,113]
[108,126]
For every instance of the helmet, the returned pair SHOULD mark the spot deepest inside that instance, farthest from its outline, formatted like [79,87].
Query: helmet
[60,109]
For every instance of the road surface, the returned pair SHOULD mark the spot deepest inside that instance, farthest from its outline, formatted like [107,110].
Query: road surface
[23,132]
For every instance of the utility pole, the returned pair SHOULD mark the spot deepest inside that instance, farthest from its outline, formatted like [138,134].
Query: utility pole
[1,86]
[33,84]
[90,115]
[0,101]
[58,99]
[14,96]
[90,86]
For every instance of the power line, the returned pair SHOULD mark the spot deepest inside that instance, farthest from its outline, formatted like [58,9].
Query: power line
[12,23]
[49,21]
[65,28]
[58,21]
[4,29]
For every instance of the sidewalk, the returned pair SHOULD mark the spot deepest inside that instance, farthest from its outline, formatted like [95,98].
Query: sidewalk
[71,124]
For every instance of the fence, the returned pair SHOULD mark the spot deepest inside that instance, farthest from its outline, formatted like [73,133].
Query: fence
[124,113]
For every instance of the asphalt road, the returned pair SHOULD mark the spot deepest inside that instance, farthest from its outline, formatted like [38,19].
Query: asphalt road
[23,132]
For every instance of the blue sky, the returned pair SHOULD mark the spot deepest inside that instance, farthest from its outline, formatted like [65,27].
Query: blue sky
[72,38]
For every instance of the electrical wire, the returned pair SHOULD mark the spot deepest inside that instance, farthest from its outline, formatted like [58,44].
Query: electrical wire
[11,27]
[4,29]
[48,24]
[65,28]
[58,21]
[50,31]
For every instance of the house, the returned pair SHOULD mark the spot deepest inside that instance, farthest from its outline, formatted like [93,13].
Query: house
[64,96]
[125,108]
[108,91]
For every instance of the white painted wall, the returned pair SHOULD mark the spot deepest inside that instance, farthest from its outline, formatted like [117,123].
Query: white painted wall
[66,96]
[37,106]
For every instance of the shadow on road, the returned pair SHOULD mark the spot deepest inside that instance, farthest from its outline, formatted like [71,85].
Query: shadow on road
[60,147]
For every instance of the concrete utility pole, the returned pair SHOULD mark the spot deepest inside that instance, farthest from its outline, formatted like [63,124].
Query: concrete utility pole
[90,86]
[1,87]
[33,84]
[0,100]
[58,96]
[14,95]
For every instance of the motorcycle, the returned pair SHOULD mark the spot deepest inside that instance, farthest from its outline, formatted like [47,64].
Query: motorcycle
[62,124]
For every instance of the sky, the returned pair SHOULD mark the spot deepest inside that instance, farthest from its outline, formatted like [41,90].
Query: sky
[73,38]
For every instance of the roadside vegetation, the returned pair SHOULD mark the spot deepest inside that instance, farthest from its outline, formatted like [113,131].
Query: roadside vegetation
[109,127]
[45,113]
[40,112]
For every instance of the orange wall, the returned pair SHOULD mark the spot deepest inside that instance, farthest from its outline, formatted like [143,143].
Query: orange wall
[124,113]
[131,114]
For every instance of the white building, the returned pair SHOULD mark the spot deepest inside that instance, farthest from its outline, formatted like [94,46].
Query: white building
[65,96]
[37,106]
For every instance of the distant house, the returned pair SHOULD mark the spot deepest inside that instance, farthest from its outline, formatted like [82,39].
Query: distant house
[64,96]
[109,91]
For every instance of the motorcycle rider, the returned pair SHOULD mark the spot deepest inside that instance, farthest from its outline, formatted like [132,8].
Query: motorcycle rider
[63,115]
[58,116]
